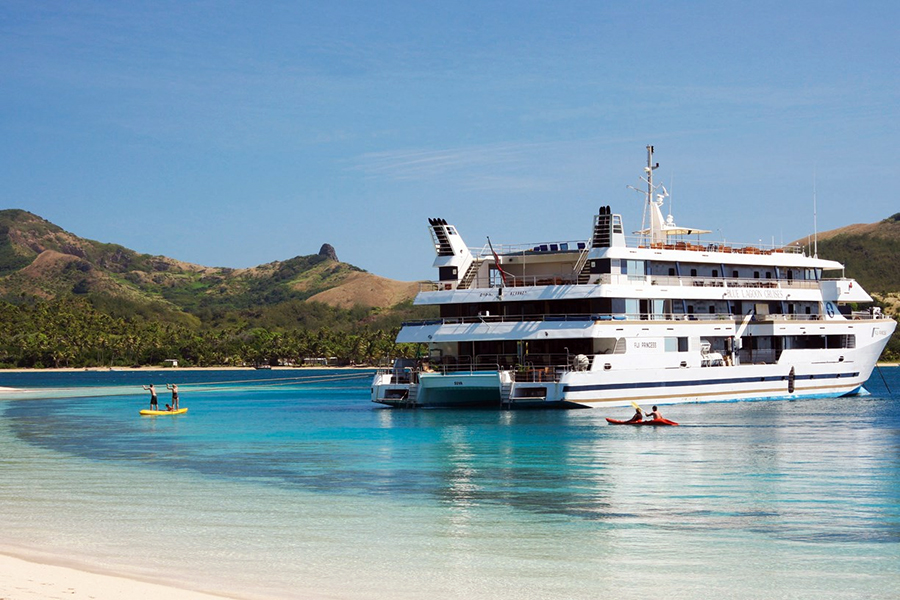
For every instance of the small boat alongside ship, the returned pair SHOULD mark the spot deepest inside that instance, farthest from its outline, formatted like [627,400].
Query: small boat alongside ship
[606,321]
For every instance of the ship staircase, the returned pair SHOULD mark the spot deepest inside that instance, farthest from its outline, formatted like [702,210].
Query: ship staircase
[466,282]
[601,237]
[506,394]
[582,270]
[412,397]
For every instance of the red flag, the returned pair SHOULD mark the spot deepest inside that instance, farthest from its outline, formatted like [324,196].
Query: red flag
[497,263]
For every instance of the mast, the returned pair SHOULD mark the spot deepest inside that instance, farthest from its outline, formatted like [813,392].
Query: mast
[815,220]
[656,221]
[650,168]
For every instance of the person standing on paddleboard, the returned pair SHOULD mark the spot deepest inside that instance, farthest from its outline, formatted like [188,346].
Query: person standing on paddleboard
[174,388]
[154,403]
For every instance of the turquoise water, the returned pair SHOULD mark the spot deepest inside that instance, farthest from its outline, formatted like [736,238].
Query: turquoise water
[276,488]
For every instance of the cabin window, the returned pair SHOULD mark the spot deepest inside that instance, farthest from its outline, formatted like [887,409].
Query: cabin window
[755,274]
[693,272]
[635,268]
[768,274]
[734,274]
[715,273]
[601,266]
[790,275]
[712,309]
[676,344]
[671,271]
[808,310]
[610,346]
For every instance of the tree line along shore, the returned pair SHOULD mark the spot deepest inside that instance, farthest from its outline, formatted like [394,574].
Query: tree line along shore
[73,334]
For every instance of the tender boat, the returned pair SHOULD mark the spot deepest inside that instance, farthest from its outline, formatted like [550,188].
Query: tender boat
[665,318]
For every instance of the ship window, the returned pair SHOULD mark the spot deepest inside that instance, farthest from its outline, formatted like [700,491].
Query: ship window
[682,344]
[734,274]
[768,274]
[635,267]
[715,273]
[610,346]
[790,275]
[671,271]
[755,274]
[693,272]
[712,309]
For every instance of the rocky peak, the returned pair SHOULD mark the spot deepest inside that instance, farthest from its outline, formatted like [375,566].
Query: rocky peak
[327,250]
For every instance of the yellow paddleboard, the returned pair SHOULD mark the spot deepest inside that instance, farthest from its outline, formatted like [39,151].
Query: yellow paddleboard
[154,413]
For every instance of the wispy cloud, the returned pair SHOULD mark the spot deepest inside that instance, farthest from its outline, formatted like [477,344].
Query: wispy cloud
[490,166]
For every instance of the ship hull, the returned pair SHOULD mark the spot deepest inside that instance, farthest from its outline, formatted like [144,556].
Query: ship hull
[827,373]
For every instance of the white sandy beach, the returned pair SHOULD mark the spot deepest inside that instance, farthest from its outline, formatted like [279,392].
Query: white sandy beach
[25,580]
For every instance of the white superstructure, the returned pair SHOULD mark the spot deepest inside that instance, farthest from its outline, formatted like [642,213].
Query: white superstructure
[599,322]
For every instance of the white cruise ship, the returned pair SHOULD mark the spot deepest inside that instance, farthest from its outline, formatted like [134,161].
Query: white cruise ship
[603,322]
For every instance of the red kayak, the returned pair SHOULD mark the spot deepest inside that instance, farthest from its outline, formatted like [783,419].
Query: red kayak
[650,422]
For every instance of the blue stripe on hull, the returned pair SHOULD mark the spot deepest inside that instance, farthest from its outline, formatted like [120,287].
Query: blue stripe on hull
[701,382]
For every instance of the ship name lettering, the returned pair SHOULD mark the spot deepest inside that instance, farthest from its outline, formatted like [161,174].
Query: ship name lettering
[761,294]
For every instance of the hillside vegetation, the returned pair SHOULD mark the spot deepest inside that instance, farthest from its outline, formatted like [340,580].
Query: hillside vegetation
[870,254]
[110,294]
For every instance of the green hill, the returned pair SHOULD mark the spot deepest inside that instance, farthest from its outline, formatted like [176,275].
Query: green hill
[41,261]
[67,299]
[870,254]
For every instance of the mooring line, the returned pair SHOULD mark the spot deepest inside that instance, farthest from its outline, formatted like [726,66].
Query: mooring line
[883,380]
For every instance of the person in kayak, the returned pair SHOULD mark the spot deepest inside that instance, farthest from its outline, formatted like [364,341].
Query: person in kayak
[638,415]
[154,402]
[654,414]
[174,388]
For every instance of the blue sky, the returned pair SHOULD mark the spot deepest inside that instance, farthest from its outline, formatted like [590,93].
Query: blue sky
[234,134]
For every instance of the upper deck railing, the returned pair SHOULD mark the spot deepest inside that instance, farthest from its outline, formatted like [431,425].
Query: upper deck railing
[758,248]
[660,280]
[619,317]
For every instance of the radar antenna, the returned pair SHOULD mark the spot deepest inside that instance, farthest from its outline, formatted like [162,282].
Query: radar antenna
[648,179]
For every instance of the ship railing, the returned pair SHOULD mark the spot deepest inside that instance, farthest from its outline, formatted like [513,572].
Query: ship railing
[530,248]
[758,248]
[757,357]
[872,313]
[731,282]
[617,317]
[754,248]
[535,368]
[513,281]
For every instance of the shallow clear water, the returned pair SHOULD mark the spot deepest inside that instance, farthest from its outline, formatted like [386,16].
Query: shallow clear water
[295,490]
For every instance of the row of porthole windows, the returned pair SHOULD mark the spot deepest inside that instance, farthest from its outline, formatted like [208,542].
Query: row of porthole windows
[735,274]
